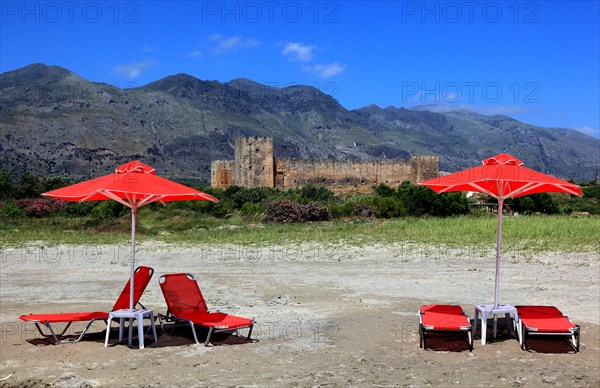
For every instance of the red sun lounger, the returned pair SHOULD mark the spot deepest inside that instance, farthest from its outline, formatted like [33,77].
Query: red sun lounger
[443,317]
[545,320]
[186,303]
[142,278]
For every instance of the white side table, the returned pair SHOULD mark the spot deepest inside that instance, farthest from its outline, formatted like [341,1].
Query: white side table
[488,309]
[138,314]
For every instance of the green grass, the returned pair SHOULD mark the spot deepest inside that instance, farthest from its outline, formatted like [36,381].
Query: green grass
[176,226]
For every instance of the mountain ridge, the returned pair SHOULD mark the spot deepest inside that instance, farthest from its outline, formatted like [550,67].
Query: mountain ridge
[55,122]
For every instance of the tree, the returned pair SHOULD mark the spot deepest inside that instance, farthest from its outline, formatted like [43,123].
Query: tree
[30,186]
[7,186]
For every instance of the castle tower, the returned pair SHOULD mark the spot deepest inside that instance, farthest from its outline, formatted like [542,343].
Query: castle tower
[253,164]
[425,167]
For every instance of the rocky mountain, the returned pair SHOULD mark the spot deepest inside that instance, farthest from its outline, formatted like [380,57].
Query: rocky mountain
[55,123]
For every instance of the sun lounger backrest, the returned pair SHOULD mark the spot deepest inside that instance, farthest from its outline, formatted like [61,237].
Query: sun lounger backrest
[182,293]
[142,276]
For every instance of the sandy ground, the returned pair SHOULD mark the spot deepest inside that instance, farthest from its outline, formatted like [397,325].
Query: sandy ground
[326,315]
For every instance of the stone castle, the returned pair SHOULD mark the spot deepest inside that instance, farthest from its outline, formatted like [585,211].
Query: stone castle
[256,166]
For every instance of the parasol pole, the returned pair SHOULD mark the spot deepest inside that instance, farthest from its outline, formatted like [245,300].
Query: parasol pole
[131,281]
[498,242]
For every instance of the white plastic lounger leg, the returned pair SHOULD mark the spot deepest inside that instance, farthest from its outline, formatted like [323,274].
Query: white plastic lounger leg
[483,328]
[140,324]
[130,331]
[153,328]
[520,333]
[508,323]
[494,333]
[121,328]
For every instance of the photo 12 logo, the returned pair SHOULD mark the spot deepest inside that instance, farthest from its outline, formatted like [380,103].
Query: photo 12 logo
[69,11]
[269,11]
[469,11]
[469,92]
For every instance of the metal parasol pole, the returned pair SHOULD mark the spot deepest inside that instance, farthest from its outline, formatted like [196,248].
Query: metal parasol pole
[131,281]
[498,242]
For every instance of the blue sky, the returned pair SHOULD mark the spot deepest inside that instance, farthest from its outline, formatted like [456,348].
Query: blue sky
[537,61]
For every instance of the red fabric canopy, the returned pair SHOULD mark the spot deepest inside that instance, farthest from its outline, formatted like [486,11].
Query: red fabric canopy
[132,183]
[501,175]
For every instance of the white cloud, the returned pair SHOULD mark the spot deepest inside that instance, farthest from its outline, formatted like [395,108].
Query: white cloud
[149,49]
[298,51]
[594,132]
[326,71]
[194,54]
[224,44]
[132,70]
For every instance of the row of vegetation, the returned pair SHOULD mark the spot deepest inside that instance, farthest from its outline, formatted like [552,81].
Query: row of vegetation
[309,203]
[408,213]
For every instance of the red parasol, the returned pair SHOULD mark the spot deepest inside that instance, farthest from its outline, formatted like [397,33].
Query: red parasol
[133,184]
[502,176]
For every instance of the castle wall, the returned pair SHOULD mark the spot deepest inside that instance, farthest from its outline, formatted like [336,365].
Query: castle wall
[253,164]
[359,176]
[221,173]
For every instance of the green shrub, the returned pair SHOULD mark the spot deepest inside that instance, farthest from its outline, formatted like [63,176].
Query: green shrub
[454,204]
[341,210]
[363,210]
[11,210]
[592,191]
[384,190]
[310,193]
[55,183]
[388,207]
[222,209]
[261,195]
[78,209]
[523,205]
[536,203]
[30,186]
[419,201]
[252,210]
[107,210]
[7,186]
